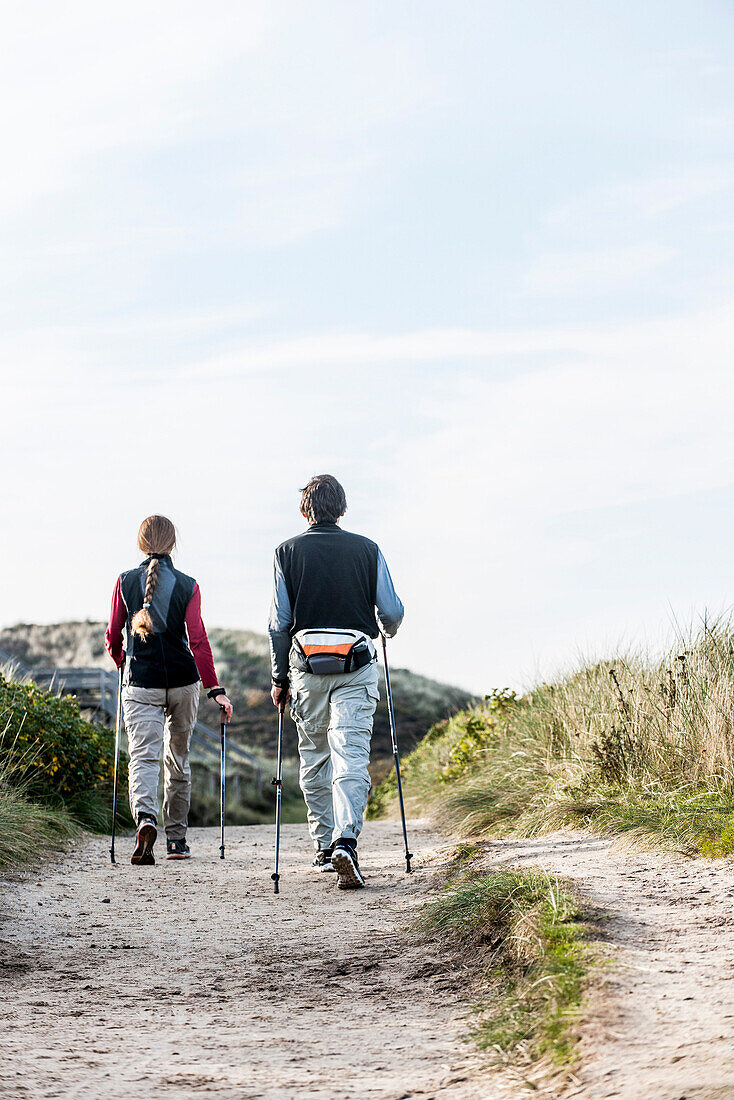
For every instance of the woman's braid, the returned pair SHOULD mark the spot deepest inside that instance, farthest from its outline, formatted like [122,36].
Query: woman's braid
[142,623]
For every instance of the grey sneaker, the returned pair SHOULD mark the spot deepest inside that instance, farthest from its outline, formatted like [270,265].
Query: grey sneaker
[344,861]
[322,862]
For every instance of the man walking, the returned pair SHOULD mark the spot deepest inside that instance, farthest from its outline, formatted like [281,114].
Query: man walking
[330,589]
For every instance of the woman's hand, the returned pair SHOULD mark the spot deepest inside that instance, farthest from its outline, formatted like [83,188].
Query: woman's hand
[226,706]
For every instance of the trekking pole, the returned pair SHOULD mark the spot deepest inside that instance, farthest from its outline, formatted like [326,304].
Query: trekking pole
[396,755]
[278,784]
[222,774]
[118,725]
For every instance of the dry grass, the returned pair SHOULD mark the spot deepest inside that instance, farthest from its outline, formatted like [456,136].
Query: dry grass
[643,747]
[29,831]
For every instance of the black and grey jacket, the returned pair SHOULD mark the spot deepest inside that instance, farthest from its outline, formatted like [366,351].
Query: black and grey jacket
[328,577]
[164,660]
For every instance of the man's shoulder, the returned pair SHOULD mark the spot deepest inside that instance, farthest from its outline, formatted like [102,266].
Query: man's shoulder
[346,538]
[289,544]
[368,544]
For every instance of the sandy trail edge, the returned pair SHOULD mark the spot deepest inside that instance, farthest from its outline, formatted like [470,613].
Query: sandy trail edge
[193,978]
[662,1025]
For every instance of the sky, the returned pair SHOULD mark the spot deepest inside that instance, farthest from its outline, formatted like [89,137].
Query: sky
[473,258]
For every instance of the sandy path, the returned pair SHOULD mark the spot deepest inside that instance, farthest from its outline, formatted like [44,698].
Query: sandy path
[193,978]
[664,1025]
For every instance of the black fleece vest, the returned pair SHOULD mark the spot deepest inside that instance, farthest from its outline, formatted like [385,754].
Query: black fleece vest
[331,578]
[163,660]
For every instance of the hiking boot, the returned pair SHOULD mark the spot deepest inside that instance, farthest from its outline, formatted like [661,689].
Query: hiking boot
[322,862]
[344,861]
[144,841]
[177,849]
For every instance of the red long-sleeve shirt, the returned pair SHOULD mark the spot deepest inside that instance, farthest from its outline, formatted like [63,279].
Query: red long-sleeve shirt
[198,640]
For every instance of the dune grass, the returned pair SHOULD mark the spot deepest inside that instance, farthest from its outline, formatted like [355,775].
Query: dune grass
[29,830]
[523,935]
[631,746]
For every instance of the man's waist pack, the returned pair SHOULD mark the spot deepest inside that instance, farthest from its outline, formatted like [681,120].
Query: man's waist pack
[328,651]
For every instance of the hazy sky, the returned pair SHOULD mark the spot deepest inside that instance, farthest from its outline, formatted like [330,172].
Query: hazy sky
[474,258]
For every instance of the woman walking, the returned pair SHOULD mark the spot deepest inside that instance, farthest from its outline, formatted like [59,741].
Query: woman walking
[166,653]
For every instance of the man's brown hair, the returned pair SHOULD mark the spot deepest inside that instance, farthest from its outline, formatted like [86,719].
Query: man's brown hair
[323,500]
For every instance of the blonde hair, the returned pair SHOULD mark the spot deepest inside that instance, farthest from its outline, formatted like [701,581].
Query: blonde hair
[157,535]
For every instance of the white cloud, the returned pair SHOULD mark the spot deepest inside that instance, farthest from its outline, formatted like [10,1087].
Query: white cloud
[644,198]
[473,475]
[502,466]
[596,271]
[352,349]
[80,79]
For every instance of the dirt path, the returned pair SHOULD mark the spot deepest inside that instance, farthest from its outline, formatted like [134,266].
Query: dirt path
[664,1022]
[191,978]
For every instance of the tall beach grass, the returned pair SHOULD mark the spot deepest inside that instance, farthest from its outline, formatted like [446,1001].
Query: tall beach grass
[29,830]
[632,745]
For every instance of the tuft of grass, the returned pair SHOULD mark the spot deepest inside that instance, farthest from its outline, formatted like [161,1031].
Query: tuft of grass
[638,747]
[465,853]
[29,830]
[524,934]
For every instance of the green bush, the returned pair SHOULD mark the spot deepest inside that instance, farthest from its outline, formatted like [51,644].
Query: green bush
[450,750]
[49,749]
[475,732]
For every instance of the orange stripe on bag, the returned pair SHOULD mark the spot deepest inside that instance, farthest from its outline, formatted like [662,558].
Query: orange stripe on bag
[342,649]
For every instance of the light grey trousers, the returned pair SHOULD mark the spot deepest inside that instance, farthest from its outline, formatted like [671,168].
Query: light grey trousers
[155,718]
[334,719]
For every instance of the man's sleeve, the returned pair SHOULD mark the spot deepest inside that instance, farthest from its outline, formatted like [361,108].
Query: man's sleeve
[390,610]
[279,627]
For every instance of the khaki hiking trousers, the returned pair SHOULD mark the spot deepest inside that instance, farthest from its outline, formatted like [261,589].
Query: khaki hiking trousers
[334,718]
[158,719]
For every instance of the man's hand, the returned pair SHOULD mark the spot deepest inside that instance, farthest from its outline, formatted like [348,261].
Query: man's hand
[280,696]
[226,706]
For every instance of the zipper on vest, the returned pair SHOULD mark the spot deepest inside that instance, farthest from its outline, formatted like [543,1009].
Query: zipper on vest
[165,666]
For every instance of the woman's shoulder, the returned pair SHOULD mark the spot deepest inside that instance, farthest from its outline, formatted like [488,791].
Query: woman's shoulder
[184,578]
[129,573]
